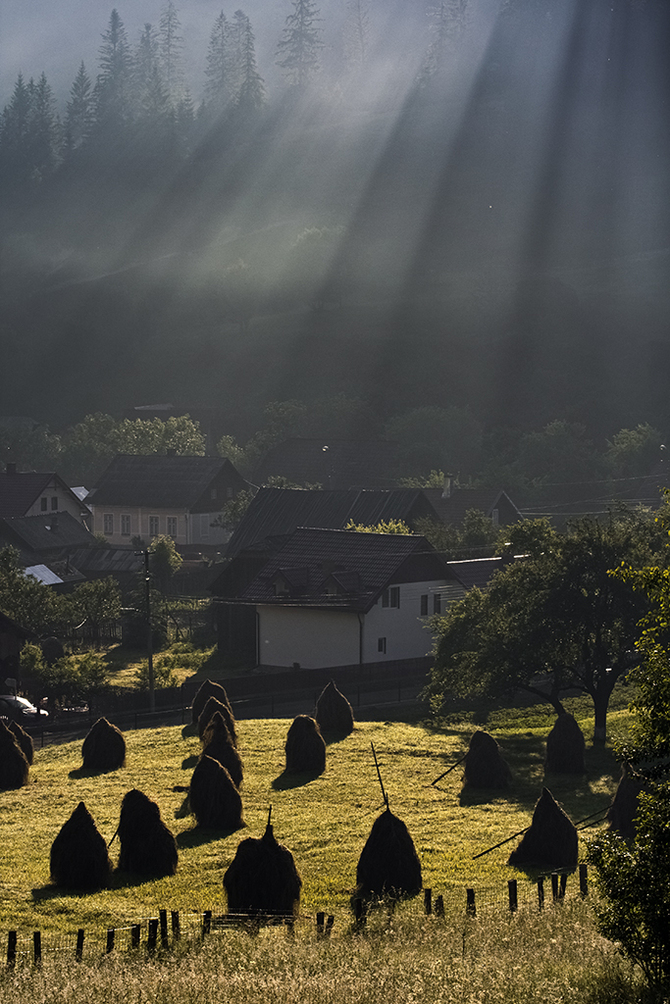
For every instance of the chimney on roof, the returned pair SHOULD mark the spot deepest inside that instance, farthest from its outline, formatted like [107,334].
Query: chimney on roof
[10,468]
[446,490]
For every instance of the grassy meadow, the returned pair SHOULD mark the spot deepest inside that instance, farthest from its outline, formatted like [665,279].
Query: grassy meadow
[325,822]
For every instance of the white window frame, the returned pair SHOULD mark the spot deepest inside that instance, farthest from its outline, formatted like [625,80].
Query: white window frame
[108,523]
[125,522]
[154,526]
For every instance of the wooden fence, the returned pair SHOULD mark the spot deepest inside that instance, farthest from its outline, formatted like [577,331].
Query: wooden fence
[170,927]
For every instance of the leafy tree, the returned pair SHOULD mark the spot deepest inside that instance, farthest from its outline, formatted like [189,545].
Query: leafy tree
[553,620]
[164,559]
[430,438]
[560,452]
[633,452]
[96,601]
[384,526]
[298,49]
[30,603]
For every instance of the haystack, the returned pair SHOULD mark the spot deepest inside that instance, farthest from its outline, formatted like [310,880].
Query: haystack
[485,766]
[550,841]
[207,690]
[211,708]
[104,747]
[623,810]
[389,866]
[262,878]
[79,858]
[147,845]
[213,797]
[217,743]
[305,747]
[24,740]
[565,747]
[13,764]
[333,711]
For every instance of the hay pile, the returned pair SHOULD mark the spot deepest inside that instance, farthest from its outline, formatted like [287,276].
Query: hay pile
[621,813]
[211,708]
[485,766]
[79,858]
[104,747]
[218,744]
[550,841]
[389,867]
[147,845]
[24,740]
[333,712]
[262,878]
[565,747]
[207,690]
[213,797]
[305,747]
[13,763]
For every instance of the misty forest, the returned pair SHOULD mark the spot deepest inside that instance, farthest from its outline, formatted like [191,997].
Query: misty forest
[439,222]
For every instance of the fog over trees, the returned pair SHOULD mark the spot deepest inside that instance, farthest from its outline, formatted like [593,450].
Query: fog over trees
[457,205]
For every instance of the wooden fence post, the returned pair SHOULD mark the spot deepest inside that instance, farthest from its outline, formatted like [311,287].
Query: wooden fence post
[428,901]
[79,950]
[164,928]
[37,948]
[439,906]
[206,922]
[512,893]
[176,927]
[135,931]
[11,948]
[329,924]
[111,934]
[554,885]
[320,923]
[153,935]
[540,892]
[583,880]
[359,913]
[470,907]
[562,884]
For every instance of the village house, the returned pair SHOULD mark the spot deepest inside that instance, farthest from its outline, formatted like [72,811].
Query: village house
[31,493]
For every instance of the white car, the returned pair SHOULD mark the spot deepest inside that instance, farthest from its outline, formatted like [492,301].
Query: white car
[19,709]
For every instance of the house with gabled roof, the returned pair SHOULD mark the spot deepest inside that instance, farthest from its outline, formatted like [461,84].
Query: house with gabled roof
[176,496]
[32,493]
[451,503]
[327,598]
[276,512]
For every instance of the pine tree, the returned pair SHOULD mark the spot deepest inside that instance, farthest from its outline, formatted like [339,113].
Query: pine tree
[145,59]
[111,92]
[14,130]
[44,130]
[170,48]
[298,49]
[449,20]
[251,91]
[219,70]
[356,33]
[79,112]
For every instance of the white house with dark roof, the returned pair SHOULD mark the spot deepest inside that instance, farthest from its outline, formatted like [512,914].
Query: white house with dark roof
[329,598]
[31,493]
[174,496]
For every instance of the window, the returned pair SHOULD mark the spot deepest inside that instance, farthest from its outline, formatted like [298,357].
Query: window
[437,603]
[495,517]
[391,597]
[154,529]
[43,504]
[204,526]
[229,492]
[381,645]
[172,526]
[54,503]
[108,523]
[125,525]
[424,604]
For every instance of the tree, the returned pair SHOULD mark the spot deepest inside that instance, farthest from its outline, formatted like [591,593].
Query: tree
[96,602]
[560,452]
[633,452]
[219,70]
[430,437]
[79,111]
[298,49]
[111,92]
[448,22]
[356,34]
[27,601]
[170,48]
[385,526]
[553,620]
[164,559]
[251,89]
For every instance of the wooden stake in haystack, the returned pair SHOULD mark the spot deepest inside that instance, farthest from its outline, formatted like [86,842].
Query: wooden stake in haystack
[262,878]
[389,867]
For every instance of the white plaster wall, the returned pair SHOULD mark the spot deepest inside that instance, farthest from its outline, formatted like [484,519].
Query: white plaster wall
[406,631]
[314,638]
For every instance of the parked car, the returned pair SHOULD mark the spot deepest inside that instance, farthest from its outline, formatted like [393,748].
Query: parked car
[20,710]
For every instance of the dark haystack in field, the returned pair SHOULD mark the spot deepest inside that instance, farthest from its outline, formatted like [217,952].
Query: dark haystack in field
[621,813]
[147,846]
[333,711]
[389,865]
[207,690]
[565,747]
[13,763]
[217,743]
[485,766]
[262,878]
[104,747]
[24,740]
[213,797]
[305,748]
[79,858]
[550,841]
[211,708]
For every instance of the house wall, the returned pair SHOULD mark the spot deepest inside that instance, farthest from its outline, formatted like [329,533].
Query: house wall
[191,528]
[55,499]
[402,632]
[313,638]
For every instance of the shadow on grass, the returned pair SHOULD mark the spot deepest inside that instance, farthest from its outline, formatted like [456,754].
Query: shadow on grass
[184,809]
[189,730]
[190,761]
[332,738]
[80,772]
[288,779]
[197,836]
[44,893]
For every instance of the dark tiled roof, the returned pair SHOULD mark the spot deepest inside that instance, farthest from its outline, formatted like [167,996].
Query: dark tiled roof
[475,571]
[345,463]
[276,511]
[452,509]
[19,491]
[159,481]
[8,626]
[106,560]
[47,532]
